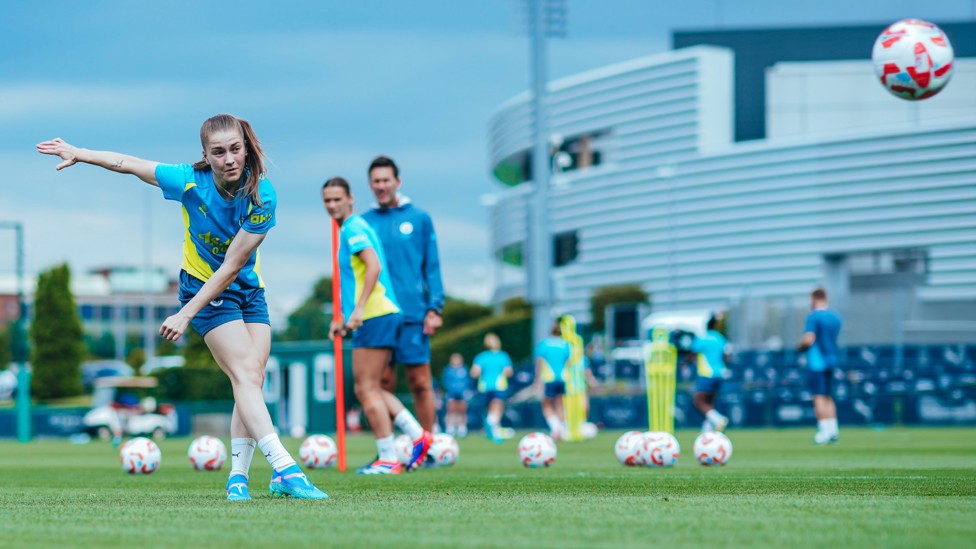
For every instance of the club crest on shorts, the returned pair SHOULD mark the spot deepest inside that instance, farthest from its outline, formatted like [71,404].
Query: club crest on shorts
[217,302]
[406,228]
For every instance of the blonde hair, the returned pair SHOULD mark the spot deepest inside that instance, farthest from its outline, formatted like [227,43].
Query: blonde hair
[492,342]
[255,156]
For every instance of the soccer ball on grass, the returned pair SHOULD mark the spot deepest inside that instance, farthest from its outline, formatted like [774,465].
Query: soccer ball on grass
[140,456]
[713,449]
[318,452]
[207,453]
[537,450]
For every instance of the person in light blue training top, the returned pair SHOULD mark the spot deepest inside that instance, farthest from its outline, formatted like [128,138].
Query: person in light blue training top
[492,368]
[551,356]
[410,241]
[712,350]
[228,209]
[456,384]
[820,343]
[371,312]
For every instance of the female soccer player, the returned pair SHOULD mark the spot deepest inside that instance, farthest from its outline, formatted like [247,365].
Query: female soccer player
[372,314]
[492,368]
[228,208]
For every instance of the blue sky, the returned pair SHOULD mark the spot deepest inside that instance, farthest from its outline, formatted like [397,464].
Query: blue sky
[328,85]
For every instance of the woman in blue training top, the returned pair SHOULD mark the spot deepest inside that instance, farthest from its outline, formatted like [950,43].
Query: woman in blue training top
[228,208]
[371,312]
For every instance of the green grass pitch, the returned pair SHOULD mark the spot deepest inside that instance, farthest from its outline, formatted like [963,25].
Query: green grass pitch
[889,488]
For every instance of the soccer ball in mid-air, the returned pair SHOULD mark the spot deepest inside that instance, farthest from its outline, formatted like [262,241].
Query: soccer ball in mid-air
[140,456]
[664,449]
[207,453]
[318,452]
[713,449]
[913,59]
[403,446]
[537,450]
[629,449]
[444,451]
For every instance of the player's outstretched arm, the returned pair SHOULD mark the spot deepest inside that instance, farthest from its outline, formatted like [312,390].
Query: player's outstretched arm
[240,250]
[116,162]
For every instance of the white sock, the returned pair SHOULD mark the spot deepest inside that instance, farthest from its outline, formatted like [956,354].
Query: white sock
[462,430]
[384,447]
[493,419]
[707,426]
[554,424]
[823,425]
[832,426]
[714,417]
[275,452]
[408,424]
[241,452]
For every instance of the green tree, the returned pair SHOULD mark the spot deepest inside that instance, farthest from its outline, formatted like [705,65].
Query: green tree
[165,347]
[609,295]
[57,342]
[309,320]
[514,305]
[196,352]
[458,312]
[103,346]
[6,347]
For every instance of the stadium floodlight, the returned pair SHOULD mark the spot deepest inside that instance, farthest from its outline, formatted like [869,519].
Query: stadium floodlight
[546,18]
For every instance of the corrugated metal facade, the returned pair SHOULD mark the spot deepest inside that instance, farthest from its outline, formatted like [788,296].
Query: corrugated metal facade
[699,221]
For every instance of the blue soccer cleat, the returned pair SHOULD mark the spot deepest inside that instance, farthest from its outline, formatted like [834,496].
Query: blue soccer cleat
[380,467]
[420,448]
[237,488]
[292,482]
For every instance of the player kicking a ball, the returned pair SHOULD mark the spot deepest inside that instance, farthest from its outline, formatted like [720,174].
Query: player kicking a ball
[228,209]
[372,314]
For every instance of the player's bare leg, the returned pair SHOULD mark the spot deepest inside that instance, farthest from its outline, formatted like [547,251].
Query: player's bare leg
[421,386]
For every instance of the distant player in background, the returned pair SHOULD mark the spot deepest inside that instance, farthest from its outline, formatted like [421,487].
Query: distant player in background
[551,356]
[492,368]
[370,311]
[408,237]
[456,383]
[820,343]
[712,351]
[228,209]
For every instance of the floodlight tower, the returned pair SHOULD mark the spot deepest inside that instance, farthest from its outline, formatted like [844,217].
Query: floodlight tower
[546,18]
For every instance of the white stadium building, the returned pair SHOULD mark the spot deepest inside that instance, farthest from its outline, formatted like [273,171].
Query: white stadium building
[709,196]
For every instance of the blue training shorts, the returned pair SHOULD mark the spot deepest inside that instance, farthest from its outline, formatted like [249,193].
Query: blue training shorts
[709,385]
[820,382]
[413,346]
[493,395]
[554,388]
[248,305]
[377,332]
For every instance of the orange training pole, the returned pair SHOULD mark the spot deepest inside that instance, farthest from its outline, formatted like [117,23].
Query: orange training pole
[340,395]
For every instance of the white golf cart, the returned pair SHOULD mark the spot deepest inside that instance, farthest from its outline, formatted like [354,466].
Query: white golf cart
[127,406]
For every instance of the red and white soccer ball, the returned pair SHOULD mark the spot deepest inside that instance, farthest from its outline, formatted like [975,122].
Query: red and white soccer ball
[140,456]
[537,450]
[318,452]
[713,449]
[403,446]
[630,449]
[444,451]
[913,59]
[207,453]
[663,449]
